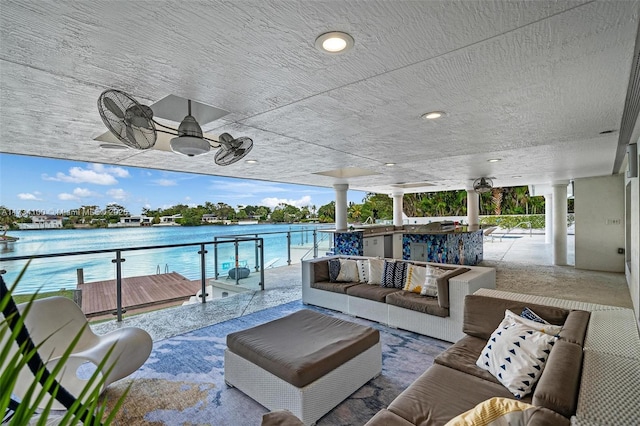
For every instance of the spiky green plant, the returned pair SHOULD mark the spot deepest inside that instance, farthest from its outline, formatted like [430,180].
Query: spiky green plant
[87,409]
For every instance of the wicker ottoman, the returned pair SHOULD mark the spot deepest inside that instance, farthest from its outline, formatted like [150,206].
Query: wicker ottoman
[305,362]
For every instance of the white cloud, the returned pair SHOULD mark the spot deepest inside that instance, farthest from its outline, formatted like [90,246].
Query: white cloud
[96,174]
[274,202]
[165,182]
[29,197]
[118,194]
[83,193]
[64,196]
[187,198]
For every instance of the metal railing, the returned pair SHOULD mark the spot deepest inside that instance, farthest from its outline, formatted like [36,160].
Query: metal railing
[119,253]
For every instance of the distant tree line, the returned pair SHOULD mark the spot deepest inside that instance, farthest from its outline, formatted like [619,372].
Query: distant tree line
[499,201]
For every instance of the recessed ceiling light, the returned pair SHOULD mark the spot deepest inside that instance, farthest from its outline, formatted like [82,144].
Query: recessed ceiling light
[494,160]
[334,42]
[389,164]
[606,132]
[251,161]
[433,115]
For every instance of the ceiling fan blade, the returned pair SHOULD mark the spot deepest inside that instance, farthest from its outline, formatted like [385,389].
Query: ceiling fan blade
[113,107]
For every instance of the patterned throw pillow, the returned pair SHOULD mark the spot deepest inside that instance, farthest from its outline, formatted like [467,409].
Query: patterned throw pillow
[376,269]
[512,318]
[395,274]
[430,287]
[516,355]
[415,278]
[334,270]
[348,271]
[530,315]
[363,270]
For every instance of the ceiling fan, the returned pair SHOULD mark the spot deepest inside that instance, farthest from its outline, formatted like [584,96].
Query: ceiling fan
[133,124]
[482,185]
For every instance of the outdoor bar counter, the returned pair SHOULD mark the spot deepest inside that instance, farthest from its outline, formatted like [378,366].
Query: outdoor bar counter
[434,242]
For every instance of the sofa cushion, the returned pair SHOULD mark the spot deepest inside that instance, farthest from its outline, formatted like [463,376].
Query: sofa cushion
[482,314]
[280,418]
[348,271]
[385,417]
[443,282]
[334,269]
[430,287]
[505,411]
[334,287]
[394,275]
[376,271]
[557,389]
[320,271]
[371,292]
[415,302]
[363,270]
[516,355]
[462,356]
[575,327]
[441,393]
[416,276]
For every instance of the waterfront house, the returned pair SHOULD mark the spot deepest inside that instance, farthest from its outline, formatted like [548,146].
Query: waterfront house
[43,222]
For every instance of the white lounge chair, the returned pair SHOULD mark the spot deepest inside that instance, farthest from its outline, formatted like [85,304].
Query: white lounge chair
[53,323]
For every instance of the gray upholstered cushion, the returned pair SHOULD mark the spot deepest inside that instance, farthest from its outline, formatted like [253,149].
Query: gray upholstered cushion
[385,417]
[575,327]
[415,302]
[371,292]
[557,388]
[280,418]
[334,287]
[463,355]
[483,314]
[322,343]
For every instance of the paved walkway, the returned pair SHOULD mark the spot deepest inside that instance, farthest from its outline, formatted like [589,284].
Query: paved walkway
[513,258]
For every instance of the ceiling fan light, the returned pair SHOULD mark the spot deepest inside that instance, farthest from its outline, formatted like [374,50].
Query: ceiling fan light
[189,127]
[189,145]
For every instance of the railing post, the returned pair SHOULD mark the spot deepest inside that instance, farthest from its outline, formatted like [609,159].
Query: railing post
[215,257]
[203,276]
[288,247]
[315,243]
[261,244]
[257,256]
[236,248]
[118,260]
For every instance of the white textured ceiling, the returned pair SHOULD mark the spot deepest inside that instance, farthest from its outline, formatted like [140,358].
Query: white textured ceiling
[530,82]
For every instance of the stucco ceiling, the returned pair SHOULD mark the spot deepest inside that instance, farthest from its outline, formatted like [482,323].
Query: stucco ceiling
[531,83]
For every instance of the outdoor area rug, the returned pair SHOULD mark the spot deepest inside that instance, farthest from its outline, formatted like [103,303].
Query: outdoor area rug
[182,382]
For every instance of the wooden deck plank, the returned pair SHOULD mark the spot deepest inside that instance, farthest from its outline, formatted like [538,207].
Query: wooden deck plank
[100,297]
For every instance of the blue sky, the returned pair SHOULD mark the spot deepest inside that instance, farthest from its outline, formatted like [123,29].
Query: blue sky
[58,186]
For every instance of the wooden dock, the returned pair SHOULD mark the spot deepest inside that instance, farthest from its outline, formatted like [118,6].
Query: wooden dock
[99,298]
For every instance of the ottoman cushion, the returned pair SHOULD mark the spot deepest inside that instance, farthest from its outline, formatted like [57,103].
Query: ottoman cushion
[303,346]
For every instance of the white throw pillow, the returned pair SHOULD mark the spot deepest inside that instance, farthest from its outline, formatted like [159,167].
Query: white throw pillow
[512,318]
[516,355]
[415,278]
[430,287]
[363,270]
[348,271]
[376,270]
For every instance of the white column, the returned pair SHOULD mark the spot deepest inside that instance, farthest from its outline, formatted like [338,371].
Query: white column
[559,223]
[548,218]
[397,208]
[341,206]
[473,210]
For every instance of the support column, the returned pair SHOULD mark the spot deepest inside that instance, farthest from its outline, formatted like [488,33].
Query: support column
[473,210]
[560,223]
[397,208]
[341,206]
[548,218]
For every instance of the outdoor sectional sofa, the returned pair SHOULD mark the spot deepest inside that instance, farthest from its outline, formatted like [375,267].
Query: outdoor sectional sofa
[440,317]
[454,384]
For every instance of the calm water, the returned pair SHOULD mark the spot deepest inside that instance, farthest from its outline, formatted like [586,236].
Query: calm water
[55,273]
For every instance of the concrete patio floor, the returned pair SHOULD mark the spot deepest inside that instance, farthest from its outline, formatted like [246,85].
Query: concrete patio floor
[523,265]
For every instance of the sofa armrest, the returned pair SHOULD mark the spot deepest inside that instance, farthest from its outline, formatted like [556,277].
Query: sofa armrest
[558,386]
